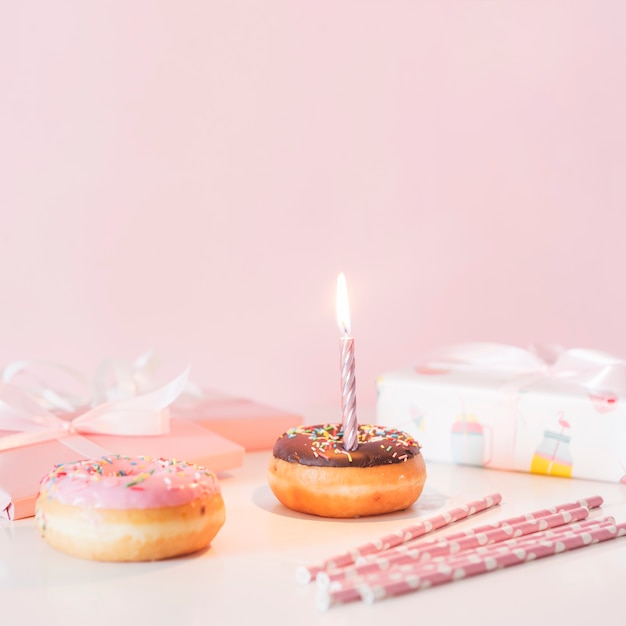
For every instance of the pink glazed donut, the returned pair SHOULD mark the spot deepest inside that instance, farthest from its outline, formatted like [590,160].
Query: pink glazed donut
[119,508]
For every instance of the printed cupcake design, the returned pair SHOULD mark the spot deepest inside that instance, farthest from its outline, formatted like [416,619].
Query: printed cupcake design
[471,441]
[552,456]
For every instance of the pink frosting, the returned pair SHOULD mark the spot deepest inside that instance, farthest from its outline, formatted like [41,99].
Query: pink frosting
[119,482]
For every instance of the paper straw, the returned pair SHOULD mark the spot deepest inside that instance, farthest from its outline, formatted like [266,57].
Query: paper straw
[306,574]
[337,585]
[418,576]
[552,534]
[447,546]
[591,502]
[323,576]
[483,564]
[347,590]
[588,503]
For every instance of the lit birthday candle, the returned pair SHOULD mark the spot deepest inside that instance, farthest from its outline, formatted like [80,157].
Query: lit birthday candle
[348,380]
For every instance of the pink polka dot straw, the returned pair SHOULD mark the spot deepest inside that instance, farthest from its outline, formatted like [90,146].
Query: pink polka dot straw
[498,558]
[307,574]
[339,588]
[451,545]
[481,550]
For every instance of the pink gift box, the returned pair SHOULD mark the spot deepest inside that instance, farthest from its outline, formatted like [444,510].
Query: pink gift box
[250,424]
[22,468]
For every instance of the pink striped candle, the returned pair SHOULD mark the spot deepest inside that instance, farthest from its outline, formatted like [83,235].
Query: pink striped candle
[349,422]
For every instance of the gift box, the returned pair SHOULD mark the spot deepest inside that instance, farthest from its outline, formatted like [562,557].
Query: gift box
[545,410]
[33,439]
[122,411]
[22,468]
[253,425]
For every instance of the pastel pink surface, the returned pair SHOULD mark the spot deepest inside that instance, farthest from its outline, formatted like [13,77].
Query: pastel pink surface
[21,469]
[252,425]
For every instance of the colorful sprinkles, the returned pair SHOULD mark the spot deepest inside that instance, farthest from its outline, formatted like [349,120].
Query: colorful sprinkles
[327,439]
[127,482]
[99,468]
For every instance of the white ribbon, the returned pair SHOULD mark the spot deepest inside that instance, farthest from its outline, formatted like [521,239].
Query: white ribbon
[133,405]
[49,382]
[593,370]
[142,414]
[116,379]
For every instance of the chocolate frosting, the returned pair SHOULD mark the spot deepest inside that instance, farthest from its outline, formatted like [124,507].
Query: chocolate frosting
[322,446]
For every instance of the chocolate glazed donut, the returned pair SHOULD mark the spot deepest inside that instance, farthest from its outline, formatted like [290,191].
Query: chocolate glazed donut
[310,471]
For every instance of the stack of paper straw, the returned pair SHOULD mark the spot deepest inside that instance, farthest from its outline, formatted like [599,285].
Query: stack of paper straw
[405,562]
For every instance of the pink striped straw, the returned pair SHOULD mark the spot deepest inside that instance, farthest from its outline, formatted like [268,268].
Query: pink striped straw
[306,574]
[341,585]
[483,564]
[413,577]
[446,546]
[552,534]
[591,502]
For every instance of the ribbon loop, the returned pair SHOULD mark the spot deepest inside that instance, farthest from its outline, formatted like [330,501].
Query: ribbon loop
[593,370]
[143,414]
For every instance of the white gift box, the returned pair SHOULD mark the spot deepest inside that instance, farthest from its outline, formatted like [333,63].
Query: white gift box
[554,412]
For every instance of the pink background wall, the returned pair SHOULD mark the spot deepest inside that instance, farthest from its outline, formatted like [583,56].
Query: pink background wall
[192,176]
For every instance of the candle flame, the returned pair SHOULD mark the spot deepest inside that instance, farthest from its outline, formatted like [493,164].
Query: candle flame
[343,310]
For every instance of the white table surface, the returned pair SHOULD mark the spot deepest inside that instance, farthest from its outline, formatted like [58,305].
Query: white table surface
[248,574]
